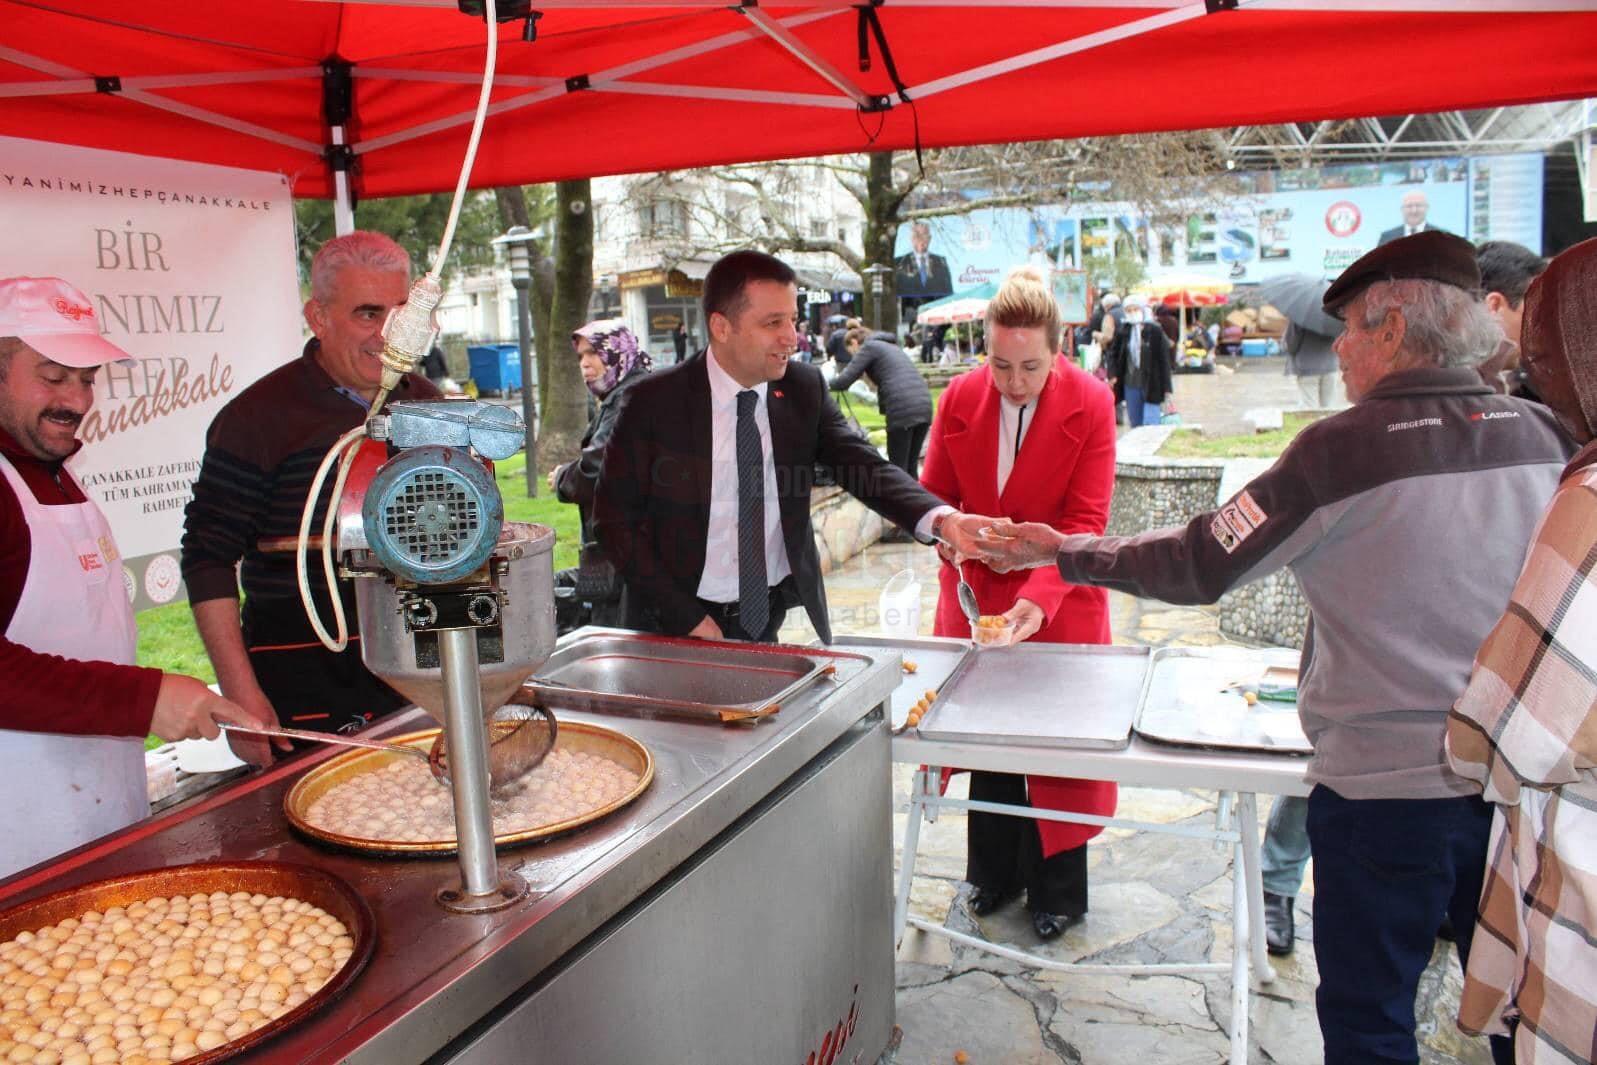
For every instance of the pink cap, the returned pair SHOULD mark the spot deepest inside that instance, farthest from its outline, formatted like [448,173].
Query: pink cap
[56,320]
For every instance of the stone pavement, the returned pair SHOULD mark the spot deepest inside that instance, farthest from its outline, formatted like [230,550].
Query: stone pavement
[1154,898]
[1219,401]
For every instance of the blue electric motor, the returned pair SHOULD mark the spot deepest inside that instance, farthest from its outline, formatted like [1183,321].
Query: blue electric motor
[432,513]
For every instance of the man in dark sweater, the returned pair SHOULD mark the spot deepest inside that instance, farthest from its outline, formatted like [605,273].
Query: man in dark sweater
[261,456]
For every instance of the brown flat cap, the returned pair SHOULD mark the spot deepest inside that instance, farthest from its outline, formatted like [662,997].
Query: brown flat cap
[1431,256]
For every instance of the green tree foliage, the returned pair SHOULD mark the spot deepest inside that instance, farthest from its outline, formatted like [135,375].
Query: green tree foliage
[416,222]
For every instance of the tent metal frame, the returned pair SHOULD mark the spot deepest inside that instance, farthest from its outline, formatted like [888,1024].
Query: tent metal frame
[1467,134]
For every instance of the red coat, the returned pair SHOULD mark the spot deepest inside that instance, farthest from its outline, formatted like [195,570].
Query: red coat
[1065,477]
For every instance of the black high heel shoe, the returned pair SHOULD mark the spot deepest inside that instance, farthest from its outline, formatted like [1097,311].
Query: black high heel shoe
[1053,925]
[983,900]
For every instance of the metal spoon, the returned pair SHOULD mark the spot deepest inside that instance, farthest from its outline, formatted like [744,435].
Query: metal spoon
[520,737]
[967,600]
[334,738]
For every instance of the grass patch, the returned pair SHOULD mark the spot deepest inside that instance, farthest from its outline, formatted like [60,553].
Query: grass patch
[1191,444]
[168,641]
[545,510]
[872,419]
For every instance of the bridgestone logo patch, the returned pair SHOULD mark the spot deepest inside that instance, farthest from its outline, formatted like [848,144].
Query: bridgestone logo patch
[1418,423]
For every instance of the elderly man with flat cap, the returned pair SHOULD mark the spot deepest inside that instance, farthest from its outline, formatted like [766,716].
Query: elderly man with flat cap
[74,710]
[1405,519]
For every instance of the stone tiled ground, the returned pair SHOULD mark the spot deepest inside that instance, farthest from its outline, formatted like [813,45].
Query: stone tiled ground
[1154,898]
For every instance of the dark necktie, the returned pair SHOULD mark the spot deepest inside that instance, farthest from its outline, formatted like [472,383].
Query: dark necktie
[754,593]
[1020,423]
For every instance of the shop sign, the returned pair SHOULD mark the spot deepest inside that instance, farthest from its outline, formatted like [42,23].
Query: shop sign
[816,295]
[680,286]
[640,278]
[664,323]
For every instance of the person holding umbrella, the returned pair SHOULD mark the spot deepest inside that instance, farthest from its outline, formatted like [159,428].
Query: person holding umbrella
[1310,332]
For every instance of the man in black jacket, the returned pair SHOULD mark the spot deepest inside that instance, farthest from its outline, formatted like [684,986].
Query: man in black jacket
[704,497]
[902,394]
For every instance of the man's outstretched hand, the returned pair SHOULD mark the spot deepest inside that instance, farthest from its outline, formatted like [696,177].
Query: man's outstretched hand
[961,534]
[1005,546]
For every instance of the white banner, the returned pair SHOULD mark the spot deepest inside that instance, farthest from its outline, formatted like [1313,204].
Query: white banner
[191,270]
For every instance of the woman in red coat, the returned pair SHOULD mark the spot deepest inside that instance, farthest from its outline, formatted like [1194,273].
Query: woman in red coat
[1030,438]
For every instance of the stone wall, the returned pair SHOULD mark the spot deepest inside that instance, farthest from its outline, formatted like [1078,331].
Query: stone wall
[1269,611]
[1152,491]
[843,526]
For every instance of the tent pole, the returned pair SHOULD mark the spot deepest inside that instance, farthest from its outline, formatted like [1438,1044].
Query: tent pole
[343,208]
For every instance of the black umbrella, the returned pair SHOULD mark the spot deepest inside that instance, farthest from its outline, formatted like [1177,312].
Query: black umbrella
[1299,297]
[837,319]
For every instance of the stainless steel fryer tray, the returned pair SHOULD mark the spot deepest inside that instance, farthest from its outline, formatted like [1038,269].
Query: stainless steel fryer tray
[1180,679]
[655,675]
[935,657]
[1042,694]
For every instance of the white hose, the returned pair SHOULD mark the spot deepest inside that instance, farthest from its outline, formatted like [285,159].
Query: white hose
[348,445]
[350,441]
[491,14]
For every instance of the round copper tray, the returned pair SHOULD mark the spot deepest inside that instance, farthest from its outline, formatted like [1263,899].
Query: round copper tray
[575,736]
[266,878]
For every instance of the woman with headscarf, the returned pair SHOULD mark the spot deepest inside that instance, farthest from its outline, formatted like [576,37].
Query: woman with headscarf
[1526,727]
[611,363]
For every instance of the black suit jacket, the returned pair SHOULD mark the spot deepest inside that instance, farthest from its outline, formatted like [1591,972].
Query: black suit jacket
[907,278]
[1396,232]
[652,508]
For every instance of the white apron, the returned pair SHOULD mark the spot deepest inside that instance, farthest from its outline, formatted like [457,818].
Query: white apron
[60,791]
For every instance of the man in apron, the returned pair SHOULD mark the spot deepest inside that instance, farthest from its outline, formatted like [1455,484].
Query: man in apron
[75,709]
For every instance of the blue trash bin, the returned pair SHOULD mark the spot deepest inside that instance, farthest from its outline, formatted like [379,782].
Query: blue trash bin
[495,367]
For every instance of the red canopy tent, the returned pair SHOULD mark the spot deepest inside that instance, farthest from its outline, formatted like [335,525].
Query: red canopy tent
[611,86]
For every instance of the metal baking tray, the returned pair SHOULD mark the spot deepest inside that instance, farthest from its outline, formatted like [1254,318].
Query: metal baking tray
[1189,701]
[1042,694]
[935,660]
[655,675]
[575,736]
[285,879]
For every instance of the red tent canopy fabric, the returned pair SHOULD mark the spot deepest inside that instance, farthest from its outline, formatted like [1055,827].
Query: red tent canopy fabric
[614,86]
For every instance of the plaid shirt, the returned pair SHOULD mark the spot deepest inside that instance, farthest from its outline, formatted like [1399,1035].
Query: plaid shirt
[1526,728]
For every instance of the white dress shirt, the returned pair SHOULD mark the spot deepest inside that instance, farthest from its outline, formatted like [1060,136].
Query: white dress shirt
[719,582]
[1014,422]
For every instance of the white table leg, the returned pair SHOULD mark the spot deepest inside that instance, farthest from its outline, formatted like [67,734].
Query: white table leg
[920,787]
[1248,845]
[1240,988]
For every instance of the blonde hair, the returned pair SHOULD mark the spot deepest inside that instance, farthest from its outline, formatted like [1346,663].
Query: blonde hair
[857,335]
[1025,301]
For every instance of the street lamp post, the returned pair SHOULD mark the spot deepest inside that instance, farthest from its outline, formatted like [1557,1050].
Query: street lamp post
[877,273]
[515,241]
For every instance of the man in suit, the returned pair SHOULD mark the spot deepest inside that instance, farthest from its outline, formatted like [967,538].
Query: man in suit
[920,273]
[704,497]
[1415,208]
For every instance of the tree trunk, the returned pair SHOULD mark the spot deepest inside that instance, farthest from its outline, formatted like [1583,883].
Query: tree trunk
[565,415]
[881,232]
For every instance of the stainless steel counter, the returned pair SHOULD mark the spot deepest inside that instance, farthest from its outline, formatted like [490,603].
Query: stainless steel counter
[438,983]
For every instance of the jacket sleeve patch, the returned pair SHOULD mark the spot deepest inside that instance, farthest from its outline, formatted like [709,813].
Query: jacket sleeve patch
[1250,510]
[1223,534]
